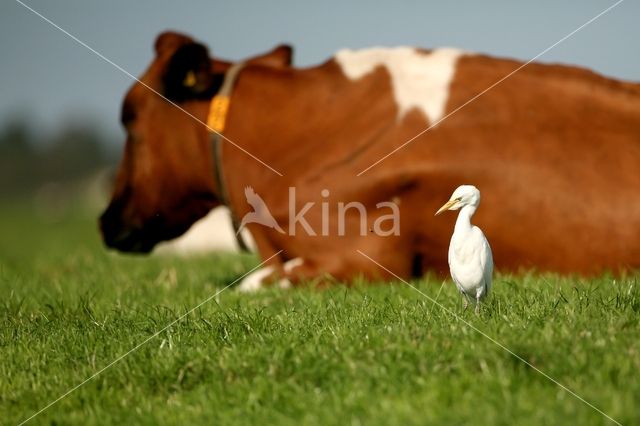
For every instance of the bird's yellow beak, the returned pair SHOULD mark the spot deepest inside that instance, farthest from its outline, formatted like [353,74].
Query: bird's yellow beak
[446,206]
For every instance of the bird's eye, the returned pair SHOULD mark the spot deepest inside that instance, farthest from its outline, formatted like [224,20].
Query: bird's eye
[459,199]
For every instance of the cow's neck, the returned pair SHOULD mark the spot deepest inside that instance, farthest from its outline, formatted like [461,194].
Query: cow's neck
[293,120]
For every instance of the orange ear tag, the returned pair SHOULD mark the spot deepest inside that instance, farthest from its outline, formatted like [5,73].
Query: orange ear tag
[190,79]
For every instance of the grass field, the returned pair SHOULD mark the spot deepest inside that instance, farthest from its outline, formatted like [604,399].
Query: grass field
[380,354]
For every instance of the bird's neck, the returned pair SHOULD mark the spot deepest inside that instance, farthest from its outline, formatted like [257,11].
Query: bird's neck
[463,223]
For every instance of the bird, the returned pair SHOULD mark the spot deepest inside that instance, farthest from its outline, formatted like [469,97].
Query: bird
[470,257]
[260,213]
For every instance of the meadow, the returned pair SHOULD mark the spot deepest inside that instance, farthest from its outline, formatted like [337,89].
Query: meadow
[370,354]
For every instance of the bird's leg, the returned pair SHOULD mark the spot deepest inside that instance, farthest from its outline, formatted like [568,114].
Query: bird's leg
[478,305]
[465,303]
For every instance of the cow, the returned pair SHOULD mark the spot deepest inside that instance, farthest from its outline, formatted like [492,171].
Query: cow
[352,158]
[212,233]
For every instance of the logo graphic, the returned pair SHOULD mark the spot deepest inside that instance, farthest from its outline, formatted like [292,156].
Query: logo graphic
[260,214]
[384,222]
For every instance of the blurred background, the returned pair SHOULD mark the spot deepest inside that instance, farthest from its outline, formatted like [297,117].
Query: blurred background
[59,103]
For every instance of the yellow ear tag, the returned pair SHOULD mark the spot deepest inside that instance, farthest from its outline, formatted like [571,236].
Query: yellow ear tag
[190,79]
[218,113]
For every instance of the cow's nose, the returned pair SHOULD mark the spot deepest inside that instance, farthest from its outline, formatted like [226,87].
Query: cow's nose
[111,227]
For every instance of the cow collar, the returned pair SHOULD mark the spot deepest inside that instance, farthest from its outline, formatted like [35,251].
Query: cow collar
[216,123]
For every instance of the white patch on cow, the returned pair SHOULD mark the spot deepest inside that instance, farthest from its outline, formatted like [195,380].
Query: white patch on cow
[253,282]
[419,79]
[292,264]
[287,268]
[214,232]
[284,283]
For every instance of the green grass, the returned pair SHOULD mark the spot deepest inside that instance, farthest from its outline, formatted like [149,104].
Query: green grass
[381,354]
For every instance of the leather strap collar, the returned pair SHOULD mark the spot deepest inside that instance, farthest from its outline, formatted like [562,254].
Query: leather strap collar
[216,121]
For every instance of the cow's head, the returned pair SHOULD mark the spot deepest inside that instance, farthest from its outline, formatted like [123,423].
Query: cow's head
[166,179]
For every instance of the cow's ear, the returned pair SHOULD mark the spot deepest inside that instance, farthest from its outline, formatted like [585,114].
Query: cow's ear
[279,57]
[189,74]
[169,41]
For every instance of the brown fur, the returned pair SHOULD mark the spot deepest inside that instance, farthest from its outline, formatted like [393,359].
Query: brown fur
[555,151]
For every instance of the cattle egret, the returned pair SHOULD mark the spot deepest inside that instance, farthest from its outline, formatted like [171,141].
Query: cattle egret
[470,258]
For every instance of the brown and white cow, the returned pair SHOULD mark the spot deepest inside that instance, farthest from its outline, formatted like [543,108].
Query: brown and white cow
[554,149]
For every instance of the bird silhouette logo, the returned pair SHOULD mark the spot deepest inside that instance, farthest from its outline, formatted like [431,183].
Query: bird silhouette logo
[260,214]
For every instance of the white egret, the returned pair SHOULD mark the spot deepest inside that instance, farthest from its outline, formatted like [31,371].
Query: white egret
[470,258]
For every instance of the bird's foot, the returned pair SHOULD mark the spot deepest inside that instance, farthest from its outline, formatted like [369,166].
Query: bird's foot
[478,307]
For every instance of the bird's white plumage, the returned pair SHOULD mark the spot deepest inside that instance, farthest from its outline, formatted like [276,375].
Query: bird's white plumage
[470,258]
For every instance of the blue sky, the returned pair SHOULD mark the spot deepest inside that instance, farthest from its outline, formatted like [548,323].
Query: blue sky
[52,79]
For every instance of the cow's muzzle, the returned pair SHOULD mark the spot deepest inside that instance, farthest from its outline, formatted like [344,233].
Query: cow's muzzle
[120,236]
